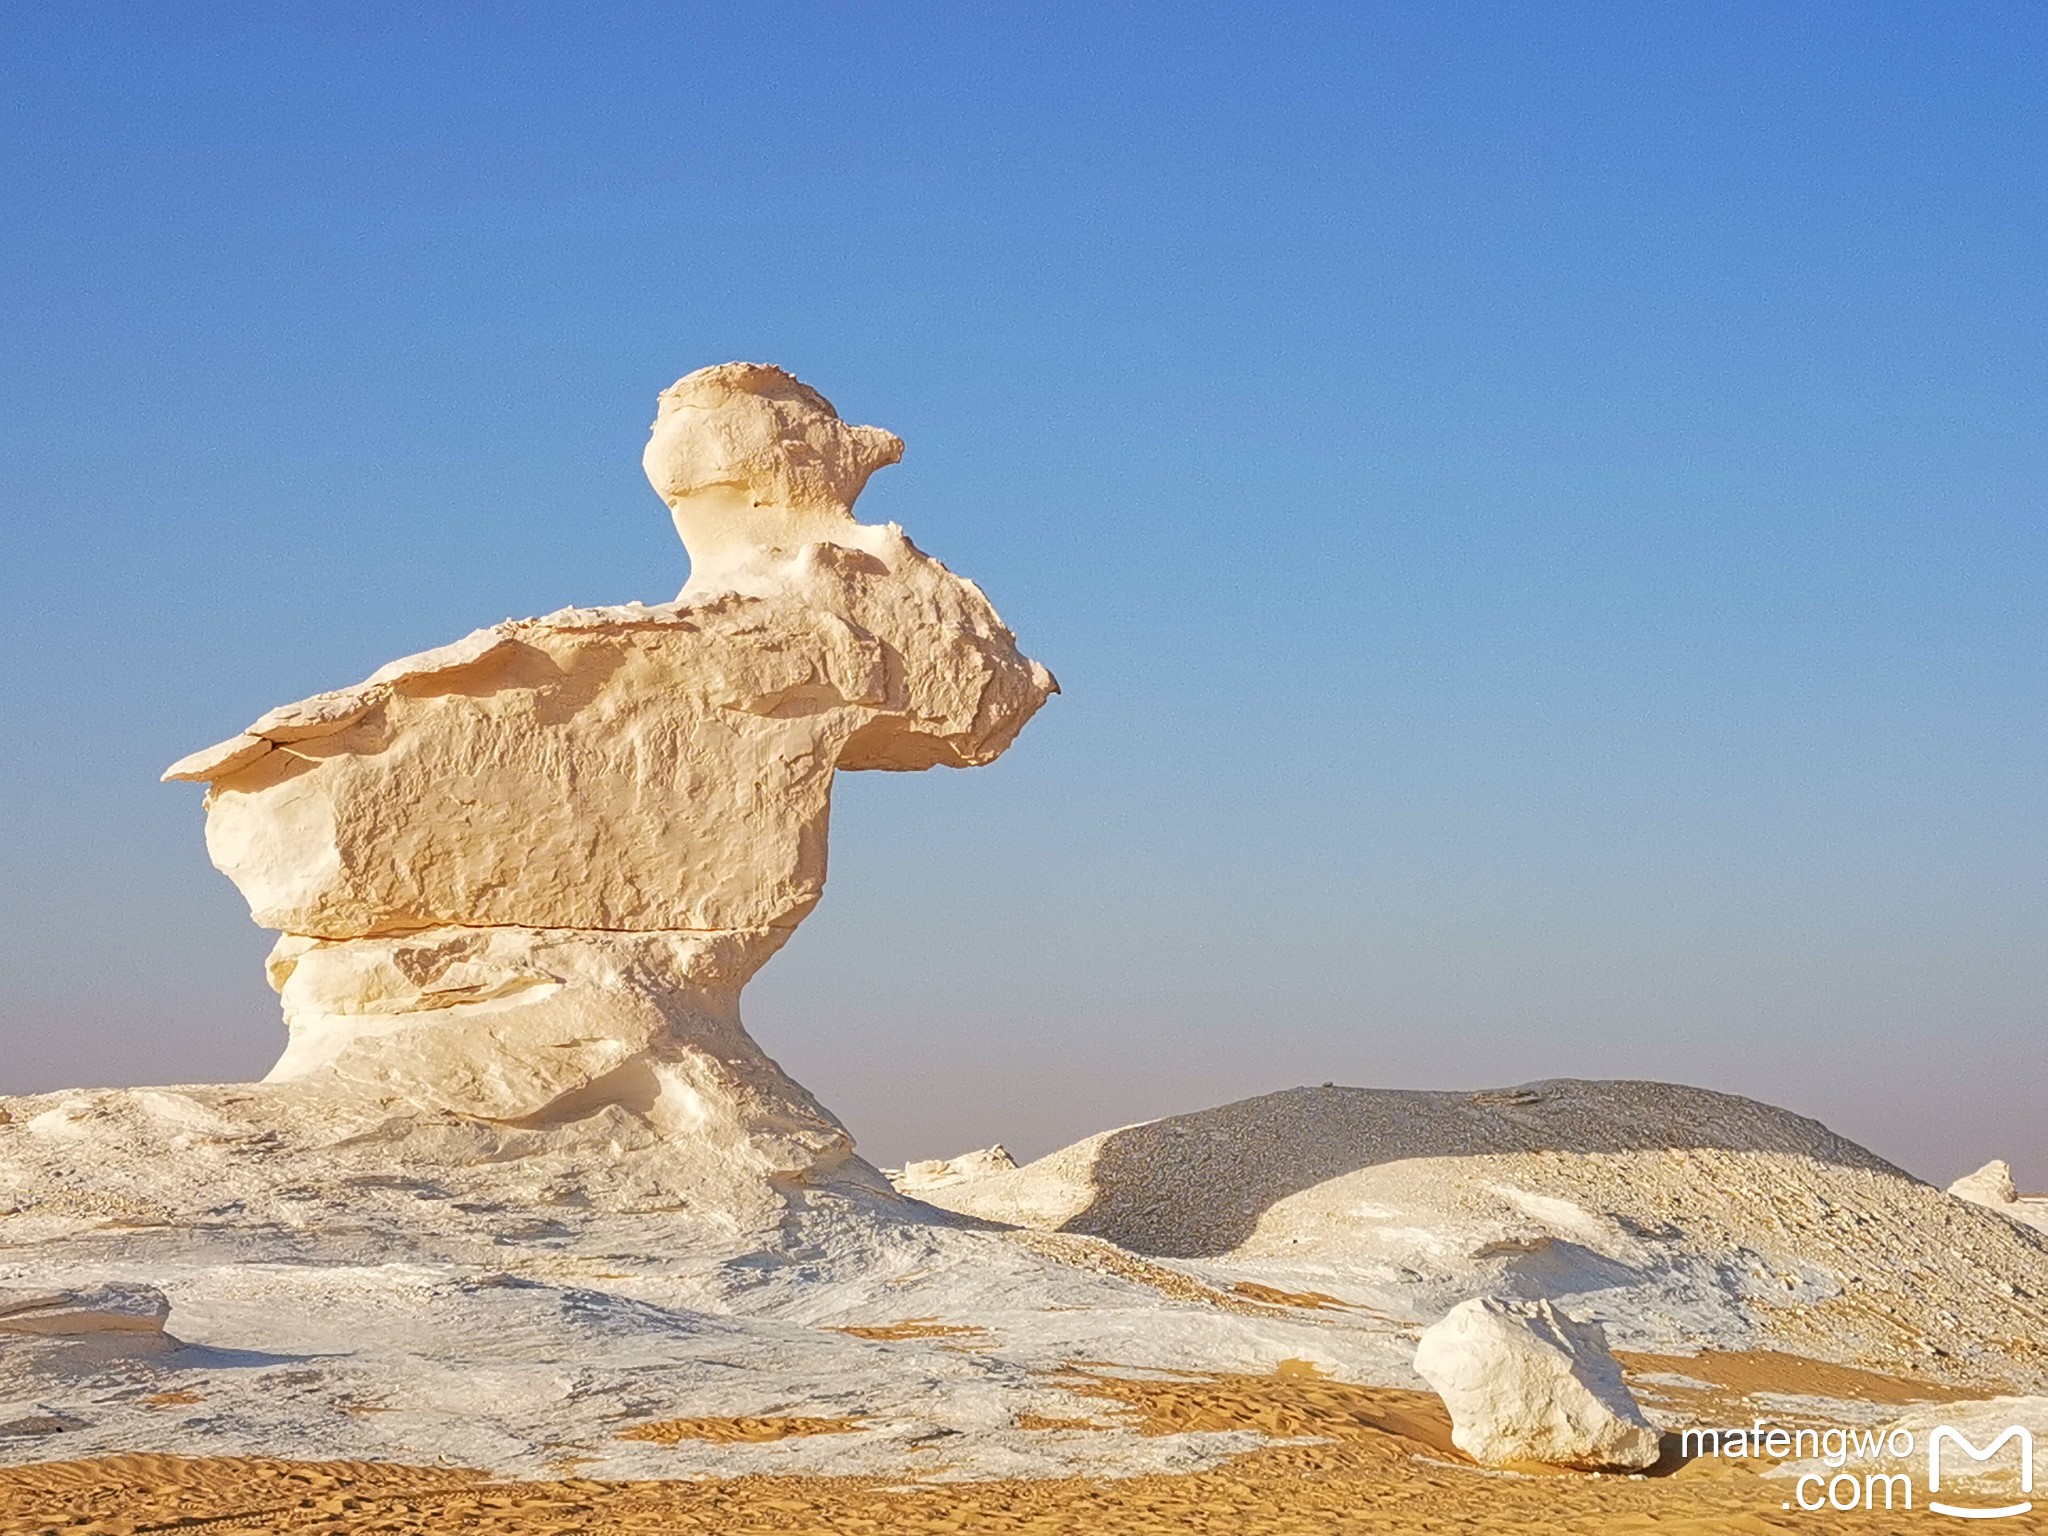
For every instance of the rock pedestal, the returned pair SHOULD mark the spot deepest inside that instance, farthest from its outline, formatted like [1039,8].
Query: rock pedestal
[525,876]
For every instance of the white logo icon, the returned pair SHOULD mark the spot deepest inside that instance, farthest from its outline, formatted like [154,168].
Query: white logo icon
[1972,1511]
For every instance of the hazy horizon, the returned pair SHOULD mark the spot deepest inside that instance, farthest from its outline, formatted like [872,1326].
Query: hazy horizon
[1538,519]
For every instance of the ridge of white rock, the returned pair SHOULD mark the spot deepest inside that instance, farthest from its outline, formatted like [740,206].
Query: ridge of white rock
[1526,1384]
[524,877]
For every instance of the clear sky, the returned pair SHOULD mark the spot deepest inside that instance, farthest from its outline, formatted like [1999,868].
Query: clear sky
[1538,512]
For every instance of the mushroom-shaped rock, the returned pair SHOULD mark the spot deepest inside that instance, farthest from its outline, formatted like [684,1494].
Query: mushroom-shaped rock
[524,876]
[1527,1385]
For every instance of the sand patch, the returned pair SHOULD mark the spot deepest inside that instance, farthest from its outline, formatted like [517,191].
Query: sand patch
[1368,1461]
[1314,1301]
[1295,1402]
[1730,1377]
[737,1431]
[913,1328]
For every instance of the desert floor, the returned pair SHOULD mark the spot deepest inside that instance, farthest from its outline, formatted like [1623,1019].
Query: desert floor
[1351,1459]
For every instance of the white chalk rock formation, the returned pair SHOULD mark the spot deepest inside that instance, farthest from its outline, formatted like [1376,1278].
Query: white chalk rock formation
[1992,1186]
[525,876]
[1527,1385]
[915,1179]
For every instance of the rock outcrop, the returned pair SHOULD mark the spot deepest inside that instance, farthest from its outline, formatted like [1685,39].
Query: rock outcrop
[1527,1385]
[100,1309]
[1992,1187]
[525,876]
[914,1179]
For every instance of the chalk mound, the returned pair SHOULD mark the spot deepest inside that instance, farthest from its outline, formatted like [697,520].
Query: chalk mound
[1525,1384]
[1990,1185]
[1724,1218]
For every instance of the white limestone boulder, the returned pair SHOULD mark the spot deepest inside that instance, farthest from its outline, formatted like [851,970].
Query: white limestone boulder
[1527,1385]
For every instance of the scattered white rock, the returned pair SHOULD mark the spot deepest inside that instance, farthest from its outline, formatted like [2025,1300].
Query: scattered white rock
[1526,1384]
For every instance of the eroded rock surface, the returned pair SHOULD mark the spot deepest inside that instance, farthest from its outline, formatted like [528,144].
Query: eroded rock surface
[525,876]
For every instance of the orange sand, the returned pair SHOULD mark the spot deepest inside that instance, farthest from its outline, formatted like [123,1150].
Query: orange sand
[914,1328]
[1314,1301]
[1379,1463]
[736,1431]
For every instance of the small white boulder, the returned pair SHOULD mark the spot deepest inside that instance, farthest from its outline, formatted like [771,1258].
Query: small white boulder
[1526,1384]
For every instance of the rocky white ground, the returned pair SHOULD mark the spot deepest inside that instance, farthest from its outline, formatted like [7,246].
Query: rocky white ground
[1682,1217]
[426,1288]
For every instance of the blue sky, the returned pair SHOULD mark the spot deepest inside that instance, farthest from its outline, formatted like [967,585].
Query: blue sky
[1538,513]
